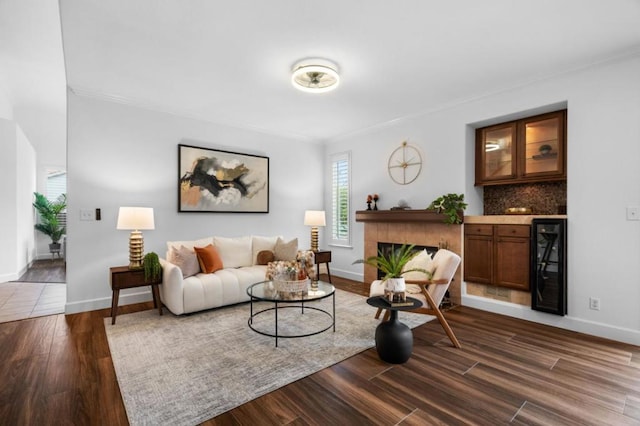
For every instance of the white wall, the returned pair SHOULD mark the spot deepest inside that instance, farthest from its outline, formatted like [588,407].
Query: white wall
[603,179]
[120,155]
[17,183]
[26,159]
[6,107]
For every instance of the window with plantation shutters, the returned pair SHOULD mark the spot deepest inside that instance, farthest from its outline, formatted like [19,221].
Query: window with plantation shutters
[340,194]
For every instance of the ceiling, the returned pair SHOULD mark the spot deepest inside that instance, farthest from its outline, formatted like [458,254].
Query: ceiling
[230,62]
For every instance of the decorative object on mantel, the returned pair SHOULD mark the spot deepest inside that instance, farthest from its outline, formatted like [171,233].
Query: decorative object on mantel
[369,201]
[402,205]
[405,164]
[375,201]
[392,266]
[450,205]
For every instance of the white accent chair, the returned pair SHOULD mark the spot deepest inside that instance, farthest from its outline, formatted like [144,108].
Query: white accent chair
[429,292]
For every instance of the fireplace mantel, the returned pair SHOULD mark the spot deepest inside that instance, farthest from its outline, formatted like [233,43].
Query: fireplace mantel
[400,216]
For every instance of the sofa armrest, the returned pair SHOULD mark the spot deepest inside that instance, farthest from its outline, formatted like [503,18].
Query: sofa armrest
[171,290]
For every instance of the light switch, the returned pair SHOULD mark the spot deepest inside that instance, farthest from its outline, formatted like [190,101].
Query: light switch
[633,213]
[87,214]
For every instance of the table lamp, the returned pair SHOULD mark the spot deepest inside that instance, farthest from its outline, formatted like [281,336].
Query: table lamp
[135,219]
[314,218]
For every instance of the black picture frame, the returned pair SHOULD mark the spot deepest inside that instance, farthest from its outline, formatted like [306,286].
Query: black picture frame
[218,181]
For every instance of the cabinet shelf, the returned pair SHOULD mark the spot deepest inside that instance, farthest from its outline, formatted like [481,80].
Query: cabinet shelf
[544,156]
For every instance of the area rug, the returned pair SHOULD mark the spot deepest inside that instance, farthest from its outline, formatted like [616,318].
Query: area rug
[182,370]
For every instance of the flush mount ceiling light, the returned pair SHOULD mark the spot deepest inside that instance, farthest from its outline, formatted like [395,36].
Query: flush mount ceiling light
[315,76]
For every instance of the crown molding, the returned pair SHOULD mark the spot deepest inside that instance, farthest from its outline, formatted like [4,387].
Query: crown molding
[503,89]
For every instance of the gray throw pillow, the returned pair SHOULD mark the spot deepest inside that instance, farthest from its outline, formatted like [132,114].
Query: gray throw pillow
[186,260]
[286,250]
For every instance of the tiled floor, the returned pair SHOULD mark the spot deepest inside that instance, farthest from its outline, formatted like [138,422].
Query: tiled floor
[20,300]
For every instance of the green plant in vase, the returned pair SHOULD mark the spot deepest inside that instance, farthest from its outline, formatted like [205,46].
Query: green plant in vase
[392,265]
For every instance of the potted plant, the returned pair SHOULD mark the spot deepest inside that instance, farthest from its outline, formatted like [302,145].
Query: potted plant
[451,205]
[392,266]
[152,267]
[49,223]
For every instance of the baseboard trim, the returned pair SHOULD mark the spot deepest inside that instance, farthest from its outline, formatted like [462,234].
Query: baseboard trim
[347,275]
[567,322]
[105,302]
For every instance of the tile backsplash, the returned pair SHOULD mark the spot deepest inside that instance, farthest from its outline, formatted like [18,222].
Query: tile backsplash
[542,198]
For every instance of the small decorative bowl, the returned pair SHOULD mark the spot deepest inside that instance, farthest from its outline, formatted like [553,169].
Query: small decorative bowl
[518,210]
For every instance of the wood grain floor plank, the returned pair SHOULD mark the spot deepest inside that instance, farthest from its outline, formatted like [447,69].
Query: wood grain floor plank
[632,408]
[533,415]
[552,396]
[430,388]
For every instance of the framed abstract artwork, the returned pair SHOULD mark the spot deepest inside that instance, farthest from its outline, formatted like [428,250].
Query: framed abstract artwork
[211,180]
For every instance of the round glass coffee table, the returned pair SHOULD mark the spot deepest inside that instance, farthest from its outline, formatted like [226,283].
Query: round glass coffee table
[265,292]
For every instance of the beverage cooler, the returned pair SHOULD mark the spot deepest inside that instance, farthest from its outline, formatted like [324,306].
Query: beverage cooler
[549,266]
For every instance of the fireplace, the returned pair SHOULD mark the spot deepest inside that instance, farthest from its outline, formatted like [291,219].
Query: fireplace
[422,228]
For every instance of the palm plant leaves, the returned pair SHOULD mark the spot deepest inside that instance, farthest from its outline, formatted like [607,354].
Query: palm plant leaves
[392,264]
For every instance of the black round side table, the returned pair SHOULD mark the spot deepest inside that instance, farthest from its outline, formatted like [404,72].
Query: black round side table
[394,340]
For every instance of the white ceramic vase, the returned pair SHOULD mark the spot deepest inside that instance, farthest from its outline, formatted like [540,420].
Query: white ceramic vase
[395,285]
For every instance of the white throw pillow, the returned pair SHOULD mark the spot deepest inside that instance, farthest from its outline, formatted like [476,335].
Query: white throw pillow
[422,261]
[286,250]
[259,244]
[189,244]
[235,252]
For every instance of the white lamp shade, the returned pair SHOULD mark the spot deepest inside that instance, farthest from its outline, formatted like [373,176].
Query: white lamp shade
[314,218]
[135,218]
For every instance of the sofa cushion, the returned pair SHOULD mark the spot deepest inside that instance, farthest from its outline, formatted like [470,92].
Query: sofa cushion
[286,250]
[422,260]
[185,259]
[259,244]
[209,259]
[203,242]
[235,252]
[264,257]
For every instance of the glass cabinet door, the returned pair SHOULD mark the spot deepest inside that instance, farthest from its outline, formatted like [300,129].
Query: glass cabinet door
[543,150]
[498,152]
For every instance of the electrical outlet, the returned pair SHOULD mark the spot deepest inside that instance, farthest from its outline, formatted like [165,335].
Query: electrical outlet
[594,303]
[87,214]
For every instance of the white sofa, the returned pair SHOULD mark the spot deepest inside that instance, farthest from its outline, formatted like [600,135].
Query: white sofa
[223,287]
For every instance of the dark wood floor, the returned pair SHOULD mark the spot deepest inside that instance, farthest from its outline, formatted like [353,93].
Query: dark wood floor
[45,271]
[58,370]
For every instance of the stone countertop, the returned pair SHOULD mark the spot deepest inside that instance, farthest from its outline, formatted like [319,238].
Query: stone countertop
[510,219]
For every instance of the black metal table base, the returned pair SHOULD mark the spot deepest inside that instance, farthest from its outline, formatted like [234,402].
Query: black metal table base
[302,308]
